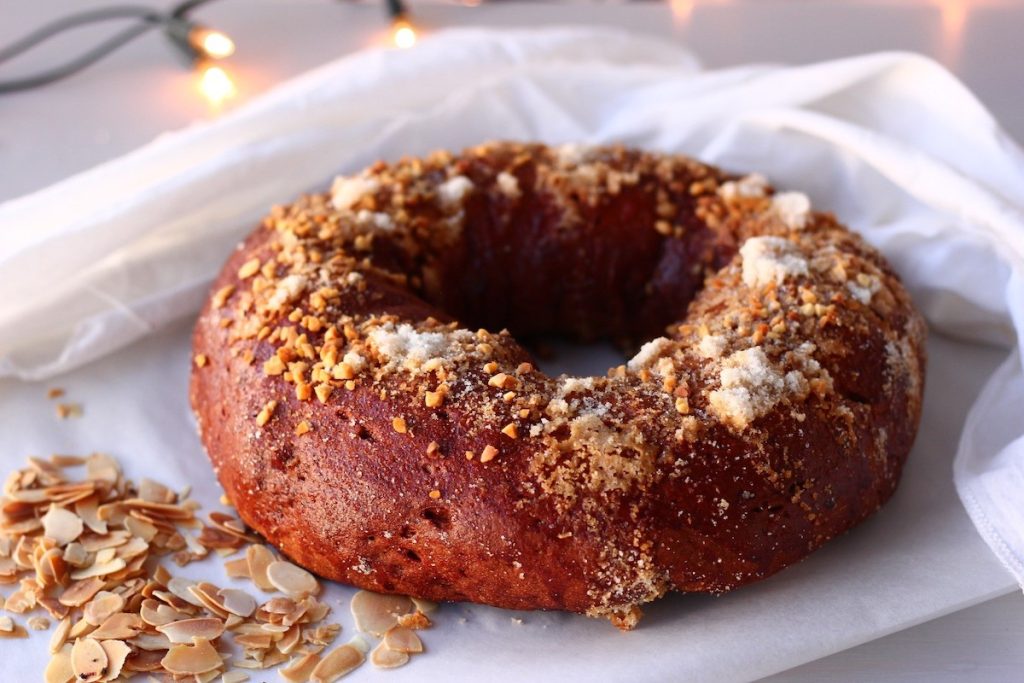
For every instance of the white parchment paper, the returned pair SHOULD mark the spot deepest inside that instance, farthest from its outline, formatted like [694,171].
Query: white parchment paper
[891,143]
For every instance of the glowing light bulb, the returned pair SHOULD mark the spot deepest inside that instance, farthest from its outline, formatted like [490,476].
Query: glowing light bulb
[403,35]
[215,85]
[211,43]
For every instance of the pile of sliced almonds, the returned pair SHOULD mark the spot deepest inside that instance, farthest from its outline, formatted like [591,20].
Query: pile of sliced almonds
[88,553]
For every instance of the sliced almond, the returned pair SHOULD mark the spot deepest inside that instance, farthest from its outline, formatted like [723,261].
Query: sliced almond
[102,606]
[376,613]
[234,677]
[60,636]
[99,569]
[337,663]
[416,620]
[88,660]
[300,669]
[140,529]
[121,626]
[117,652]
[182,588]
[178,632]
[401,639]
[62,525]
[87,511]
[192,659]
[81,592]
[6,624]
[385,658]
[38,623]
[259,558]
[295,582]
[151,642]
[425,606]
[237,602]
[237,568]
[59,669]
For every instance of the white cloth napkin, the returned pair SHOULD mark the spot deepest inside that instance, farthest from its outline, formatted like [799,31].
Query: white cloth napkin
[891,143]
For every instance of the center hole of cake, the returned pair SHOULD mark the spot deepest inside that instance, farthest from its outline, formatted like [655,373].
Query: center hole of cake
[558,356]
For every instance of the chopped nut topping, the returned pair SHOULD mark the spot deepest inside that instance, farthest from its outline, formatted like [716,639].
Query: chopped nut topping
[435,494]
[398,424]
[510,430]
[249,268]
[303,428]
[489,453]
[200,360]
[268,411]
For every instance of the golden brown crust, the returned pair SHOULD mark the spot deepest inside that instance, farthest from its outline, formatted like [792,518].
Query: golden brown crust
[377,442]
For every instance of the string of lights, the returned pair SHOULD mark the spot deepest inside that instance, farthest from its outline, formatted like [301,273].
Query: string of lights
[199,45]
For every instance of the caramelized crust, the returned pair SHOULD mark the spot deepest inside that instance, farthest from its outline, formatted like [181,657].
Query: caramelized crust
[375,440]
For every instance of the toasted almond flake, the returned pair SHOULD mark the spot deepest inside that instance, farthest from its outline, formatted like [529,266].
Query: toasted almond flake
[55,392]
[300,669]
[424,606]
[6,624]
[340,661]
[234,677]
[140,529]
[510,430]
[151,642]
[259,558]
[376,613]
[293,581]
[201,360]
[81,592]
[59,669]
[182,588]
[38,623]
[192,660]
[114,565]
[117,652]
[237,568]
[101,607]
[303,428]
[417,620]
[398,424]
[88,660]
[62,525]
[60,635]
[120,626]
[402,639]
[178,632]
[238,602]
[488,454]
[385,658]
[87,510]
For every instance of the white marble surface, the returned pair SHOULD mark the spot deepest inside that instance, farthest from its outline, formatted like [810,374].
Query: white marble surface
[142,91]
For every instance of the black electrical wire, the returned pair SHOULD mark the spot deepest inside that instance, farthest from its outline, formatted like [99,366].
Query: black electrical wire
[174,23]
[53,28]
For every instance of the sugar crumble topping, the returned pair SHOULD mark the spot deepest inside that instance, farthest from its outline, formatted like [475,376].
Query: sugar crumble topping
[453,192]
[793,208]
[769,260]
[346,192]
[750,386]
[750,186]
[508,184]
